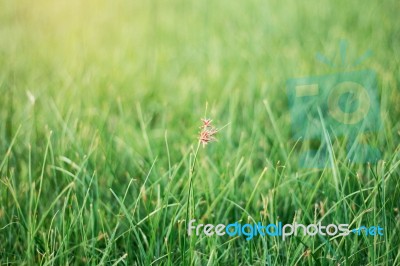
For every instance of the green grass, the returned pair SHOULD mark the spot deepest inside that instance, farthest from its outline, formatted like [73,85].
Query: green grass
[99,113]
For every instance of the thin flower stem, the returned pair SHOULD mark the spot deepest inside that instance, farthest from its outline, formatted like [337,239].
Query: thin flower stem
[190,196]
[195,159]
[191,171]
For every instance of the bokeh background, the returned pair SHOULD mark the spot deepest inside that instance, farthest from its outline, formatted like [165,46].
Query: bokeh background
[94,92]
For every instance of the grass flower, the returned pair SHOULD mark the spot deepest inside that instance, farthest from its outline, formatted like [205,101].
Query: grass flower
[208,132]
[206,135]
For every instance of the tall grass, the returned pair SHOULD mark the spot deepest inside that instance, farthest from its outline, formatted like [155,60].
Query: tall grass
[99,115]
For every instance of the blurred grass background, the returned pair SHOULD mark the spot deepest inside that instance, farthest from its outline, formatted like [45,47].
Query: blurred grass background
[119,84]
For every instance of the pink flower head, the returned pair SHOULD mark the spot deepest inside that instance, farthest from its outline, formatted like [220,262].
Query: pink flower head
[206,123]
[207,133]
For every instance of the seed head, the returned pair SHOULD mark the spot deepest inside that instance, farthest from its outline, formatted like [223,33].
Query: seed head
[208,132]
[206,123]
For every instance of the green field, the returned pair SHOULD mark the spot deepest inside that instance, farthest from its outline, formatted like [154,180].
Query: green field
[100,108]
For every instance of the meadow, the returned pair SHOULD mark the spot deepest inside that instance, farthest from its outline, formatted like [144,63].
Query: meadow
[100,108]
